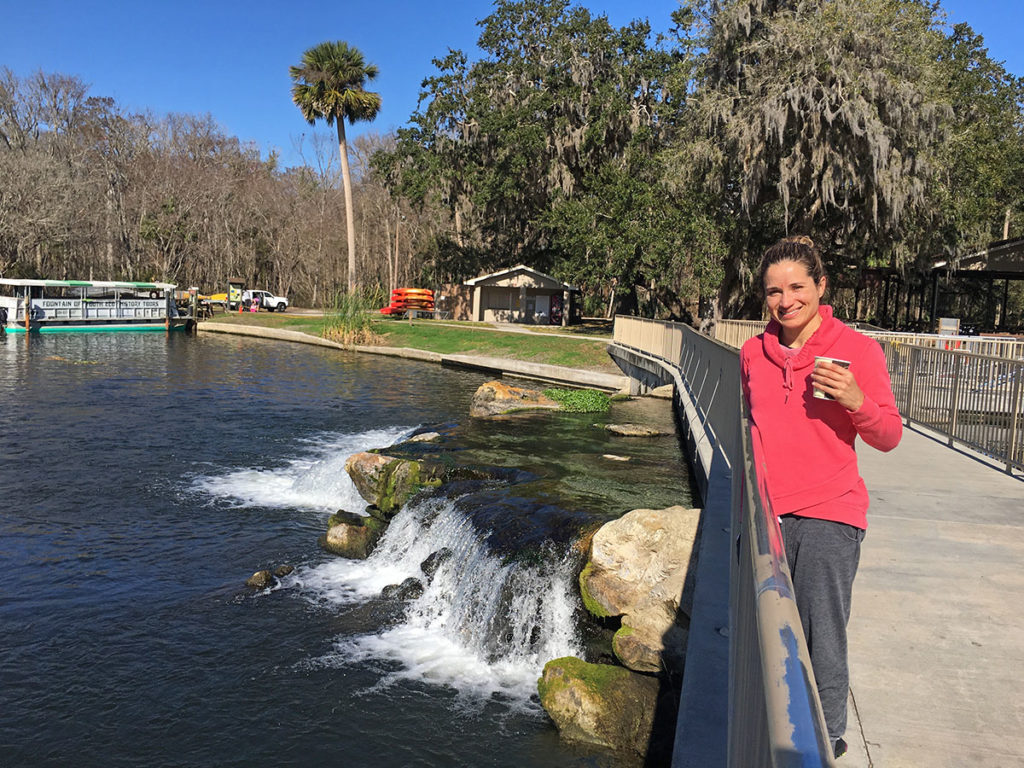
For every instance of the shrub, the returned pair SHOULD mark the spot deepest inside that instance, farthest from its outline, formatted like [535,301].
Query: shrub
[348,320]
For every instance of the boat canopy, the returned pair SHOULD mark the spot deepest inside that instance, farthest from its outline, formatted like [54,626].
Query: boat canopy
[123,285]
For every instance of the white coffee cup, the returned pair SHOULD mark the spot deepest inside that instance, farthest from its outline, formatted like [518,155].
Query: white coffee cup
[845,363]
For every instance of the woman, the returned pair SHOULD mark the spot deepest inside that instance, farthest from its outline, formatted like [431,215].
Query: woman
[804,450]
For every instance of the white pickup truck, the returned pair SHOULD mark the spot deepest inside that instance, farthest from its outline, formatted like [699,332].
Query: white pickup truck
[267,300]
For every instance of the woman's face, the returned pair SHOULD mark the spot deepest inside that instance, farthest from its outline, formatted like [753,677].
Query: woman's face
[792,297]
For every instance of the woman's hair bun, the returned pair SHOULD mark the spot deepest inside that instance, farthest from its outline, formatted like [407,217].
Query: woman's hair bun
[801,239]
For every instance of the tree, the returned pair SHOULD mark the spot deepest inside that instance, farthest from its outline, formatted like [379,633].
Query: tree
[823,116]
[330,85]
[983,159]
[545,151]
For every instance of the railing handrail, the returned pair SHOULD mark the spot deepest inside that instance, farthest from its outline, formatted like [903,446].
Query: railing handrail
[735,332]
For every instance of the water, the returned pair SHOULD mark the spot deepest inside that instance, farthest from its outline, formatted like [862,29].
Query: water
[145,477]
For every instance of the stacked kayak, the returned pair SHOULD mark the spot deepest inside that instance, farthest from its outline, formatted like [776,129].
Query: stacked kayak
[404,299]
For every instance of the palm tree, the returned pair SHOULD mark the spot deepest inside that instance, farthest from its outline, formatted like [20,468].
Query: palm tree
[329,84]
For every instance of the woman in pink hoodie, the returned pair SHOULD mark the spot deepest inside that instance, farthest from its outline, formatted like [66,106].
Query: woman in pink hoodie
[804,449]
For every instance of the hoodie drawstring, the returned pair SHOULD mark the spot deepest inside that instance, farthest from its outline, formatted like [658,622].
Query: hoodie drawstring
[787,377]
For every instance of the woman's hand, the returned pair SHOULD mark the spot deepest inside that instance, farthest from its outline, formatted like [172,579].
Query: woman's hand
[838,382]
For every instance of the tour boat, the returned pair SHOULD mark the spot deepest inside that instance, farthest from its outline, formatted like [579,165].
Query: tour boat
[55,306]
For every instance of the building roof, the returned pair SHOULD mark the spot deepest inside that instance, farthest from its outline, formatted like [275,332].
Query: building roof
[521,268]
[1002,257]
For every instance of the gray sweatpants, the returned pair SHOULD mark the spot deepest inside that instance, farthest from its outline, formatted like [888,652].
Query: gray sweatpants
[823,558]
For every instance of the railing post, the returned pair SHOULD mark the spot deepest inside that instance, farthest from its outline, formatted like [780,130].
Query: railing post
[954,407]
[915,356]
[1011,450]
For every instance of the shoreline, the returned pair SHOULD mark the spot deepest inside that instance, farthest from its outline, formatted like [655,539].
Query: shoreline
[552,374]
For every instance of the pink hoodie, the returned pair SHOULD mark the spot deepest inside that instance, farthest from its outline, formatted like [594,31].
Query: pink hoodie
[804,446]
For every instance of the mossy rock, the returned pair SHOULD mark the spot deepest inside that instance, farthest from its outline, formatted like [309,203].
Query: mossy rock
[352,538]
[600,704]
[260,580]
[388,482]
[405,480]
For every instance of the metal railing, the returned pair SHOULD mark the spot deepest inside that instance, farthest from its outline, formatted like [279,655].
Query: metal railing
[1006,348]
[711,373]
[966,388]
[775,717]
[735,332]
[969,398]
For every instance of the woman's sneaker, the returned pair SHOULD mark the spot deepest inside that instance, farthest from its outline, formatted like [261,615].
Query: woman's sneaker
[840,747]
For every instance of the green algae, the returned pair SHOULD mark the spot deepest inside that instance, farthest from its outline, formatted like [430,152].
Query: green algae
[589,602]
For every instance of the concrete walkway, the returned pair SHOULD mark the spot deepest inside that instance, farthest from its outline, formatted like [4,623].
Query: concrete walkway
[937,631]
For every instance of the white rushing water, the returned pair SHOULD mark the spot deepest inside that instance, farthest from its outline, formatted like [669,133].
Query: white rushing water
[483,626]
[315,480]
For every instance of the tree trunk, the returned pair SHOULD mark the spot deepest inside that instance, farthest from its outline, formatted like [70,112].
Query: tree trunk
[398,225]
[350,223]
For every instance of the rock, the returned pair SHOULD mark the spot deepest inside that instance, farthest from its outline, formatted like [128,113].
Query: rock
[424,437]
[495,398]
[283,570]
[260,580]
[637,430]
[664,392]
[351,535]
[368,472]
[387,482]
[637,570]
[349,518]
[651,640]
[434,561]
[410,589]
[599,704]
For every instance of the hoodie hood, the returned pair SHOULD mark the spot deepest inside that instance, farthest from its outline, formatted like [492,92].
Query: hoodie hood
[818,344]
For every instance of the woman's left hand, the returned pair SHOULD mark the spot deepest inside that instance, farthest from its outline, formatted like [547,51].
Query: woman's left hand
[838,382]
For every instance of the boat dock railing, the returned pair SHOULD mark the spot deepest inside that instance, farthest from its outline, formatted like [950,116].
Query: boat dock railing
[769,713]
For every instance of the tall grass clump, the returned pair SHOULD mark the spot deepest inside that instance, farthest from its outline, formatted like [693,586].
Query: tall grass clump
[348,319]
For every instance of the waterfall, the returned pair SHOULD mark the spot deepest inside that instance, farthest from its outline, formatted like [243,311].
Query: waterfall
[486,622]
[484,626]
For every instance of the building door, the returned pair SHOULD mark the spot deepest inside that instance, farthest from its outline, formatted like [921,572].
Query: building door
[543,309]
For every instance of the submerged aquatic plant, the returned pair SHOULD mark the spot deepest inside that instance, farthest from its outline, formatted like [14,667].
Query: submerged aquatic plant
[580,400]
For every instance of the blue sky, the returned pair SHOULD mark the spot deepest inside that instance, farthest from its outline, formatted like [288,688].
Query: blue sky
[230,59]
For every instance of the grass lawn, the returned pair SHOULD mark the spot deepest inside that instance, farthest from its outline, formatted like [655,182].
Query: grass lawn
[450,338]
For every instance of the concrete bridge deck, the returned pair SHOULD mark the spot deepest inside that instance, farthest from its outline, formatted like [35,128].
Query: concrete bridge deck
[937,629]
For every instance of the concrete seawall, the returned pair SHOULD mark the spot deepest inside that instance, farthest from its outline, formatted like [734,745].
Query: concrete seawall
[552,374]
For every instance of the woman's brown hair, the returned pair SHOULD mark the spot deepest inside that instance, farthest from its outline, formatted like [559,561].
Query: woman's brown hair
[798,248]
